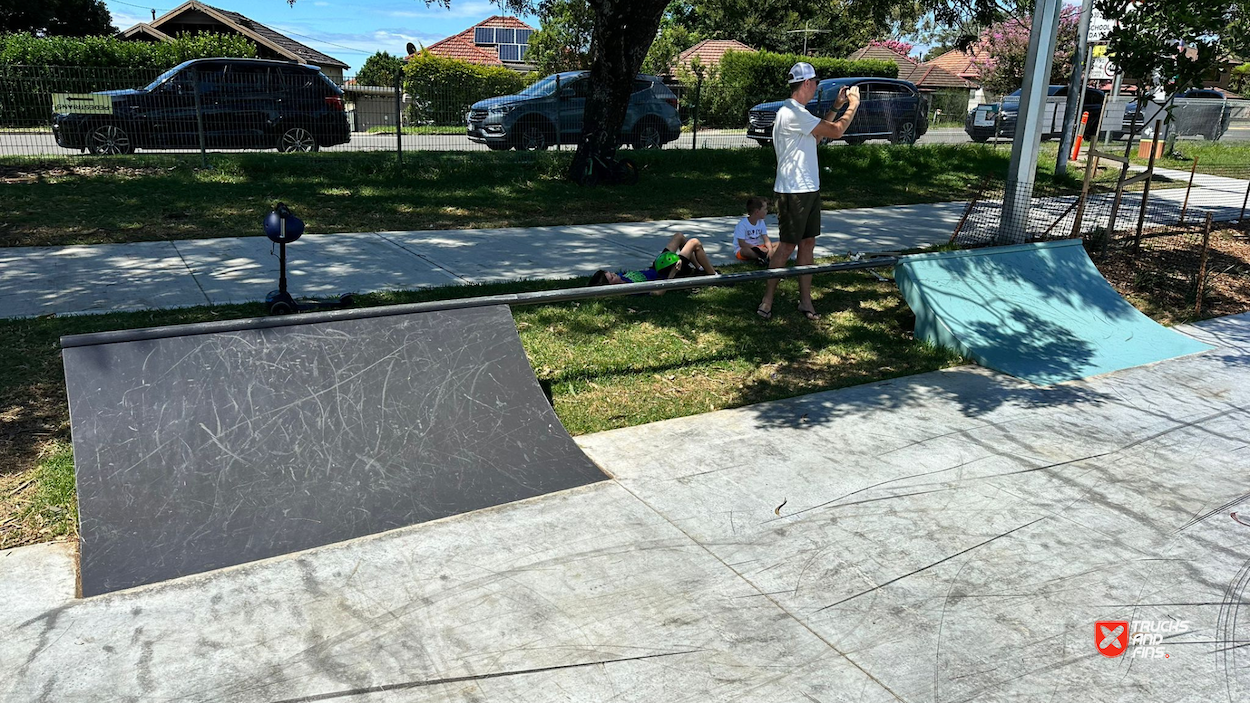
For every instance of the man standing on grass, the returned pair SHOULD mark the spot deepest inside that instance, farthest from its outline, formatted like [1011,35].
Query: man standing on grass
[798,177]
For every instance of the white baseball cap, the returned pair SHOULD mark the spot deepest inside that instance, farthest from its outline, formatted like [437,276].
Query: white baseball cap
[801,71]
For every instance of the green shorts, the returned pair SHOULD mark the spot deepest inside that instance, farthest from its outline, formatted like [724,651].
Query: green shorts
[798,216]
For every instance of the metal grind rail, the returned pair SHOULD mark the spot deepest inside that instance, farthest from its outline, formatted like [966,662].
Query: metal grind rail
[533,298]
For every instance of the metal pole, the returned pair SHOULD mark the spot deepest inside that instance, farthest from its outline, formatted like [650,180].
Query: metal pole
[1145,193]
[1241,219]
[698,95]
[1188,188]
[559,117]
[1076,89]
[199,121]
[1018,193]
[399,107]
[512,299]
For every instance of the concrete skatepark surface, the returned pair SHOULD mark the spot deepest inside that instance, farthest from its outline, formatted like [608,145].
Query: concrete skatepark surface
[1040,311]
[946,537]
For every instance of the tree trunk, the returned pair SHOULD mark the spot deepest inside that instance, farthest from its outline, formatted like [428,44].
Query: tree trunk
[623,33]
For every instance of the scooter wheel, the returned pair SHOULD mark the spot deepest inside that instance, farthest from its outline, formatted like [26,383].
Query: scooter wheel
[281,307]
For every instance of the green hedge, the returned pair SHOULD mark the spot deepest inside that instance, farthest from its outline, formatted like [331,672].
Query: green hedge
[744,79]
[442,89]
[32,68]
[108,52]
[1239,81]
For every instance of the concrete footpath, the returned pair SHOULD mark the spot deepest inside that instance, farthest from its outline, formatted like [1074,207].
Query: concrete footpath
[951,536]
[170,274]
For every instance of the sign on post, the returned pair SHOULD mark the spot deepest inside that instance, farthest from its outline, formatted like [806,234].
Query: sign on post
[81,104]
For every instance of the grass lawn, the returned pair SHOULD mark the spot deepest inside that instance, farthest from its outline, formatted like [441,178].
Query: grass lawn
[85,200]
[612,363]
[1218,158]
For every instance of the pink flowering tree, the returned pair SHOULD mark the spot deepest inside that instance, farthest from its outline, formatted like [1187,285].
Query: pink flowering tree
[901,48]
[1005,49]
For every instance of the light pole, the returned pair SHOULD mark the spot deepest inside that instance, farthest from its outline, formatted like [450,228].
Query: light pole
[806,31]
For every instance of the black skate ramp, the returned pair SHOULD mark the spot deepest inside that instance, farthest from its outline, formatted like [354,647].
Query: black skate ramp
[197,448]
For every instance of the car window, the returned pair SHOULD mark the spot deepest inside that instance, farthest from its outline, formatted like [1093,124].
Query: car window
[292,78]
[580,88]
[249,78]
[209,77]
[641,85]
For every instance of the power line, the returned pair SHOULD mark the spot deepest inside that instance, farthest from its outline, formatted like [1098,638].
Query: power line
[141,7]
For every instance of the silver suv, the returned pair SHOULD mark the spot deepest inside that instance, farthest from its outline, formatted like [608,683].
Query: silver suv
[550,111]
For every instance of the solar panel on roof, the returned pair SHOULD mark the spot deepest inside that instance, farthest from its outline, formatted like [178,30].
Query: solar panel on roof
[505,36]
[484,35]
[523,35]
[509,52]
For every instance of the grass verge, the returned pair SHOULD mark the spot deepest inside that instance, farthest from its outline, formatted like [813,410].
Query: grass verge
[89,200]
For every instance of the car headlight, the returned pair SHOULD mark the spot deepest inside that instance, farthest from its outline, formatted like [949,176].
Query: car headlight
[501,109]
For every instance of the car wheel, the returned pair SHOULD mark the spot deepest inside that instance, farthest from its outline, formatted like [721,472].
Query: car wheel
[763,143]
[904,134]
[855,141]
[648,135]
[533,136]
[109,140]
[980,140]
[297,139]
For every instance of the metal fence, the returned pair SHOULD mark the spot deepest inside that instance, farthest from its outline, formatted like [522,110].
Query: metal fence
[48,111]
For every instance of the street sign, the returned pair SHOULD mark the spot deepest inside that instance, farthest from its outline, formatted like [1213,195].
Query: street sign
[1099,27]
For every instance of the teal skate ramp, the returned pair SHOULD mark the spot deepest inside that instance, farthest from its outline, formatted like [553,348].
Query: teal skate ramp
[1041,312]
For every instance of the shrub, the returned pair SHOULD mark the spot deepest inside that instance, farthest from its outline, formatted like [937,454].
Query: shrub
[32,68]
[442,89]
[744,79]
[1239,81]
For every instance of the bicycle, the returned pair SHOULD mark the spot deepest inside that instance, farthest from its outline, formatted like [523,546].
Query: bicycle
[608,170]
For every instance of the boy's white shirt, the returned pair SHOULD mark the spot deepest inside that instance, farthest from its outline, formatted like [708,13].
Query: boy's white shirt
[748,234]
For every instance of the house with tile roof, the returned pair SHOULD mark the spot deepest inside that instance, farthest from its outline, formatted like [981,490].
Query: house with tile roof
[496,41]
[709,52]
[929,77]
[193,17]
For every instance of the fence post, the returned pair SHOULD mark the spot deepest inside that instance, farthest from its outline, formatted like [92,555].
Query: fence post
[698,95]
[560,117]
[1188,188]
[1145,193]
[399,108]
[1241,219]
[199,120]
[1202,267]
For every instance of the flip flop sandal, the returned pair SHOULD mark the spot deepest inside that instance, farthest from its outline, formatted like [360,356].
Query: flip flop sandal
[766,314]
[810,314]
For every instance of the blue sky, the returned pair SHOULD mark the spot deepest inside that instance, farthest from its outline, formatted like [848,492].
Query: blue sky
[348,30]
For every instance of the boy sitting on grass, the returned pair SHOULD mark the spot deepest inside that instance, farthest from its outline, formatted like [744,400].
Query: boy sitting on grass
[751,242]
[681,258]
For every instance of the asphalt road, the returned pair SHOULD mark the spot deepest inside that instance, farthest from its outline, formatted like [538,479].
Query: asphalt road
[40,144]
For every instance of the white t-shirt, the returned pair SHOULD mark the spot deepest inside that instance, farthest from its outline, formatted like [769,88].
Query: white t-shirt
[752,234]
[797,169]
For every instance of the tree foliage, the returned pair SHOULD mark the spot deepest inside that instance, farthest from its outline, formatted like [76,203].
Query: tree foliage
[63,18]
[1174,45]
[109,52]
[380,69]
[563,41]
[1003,64]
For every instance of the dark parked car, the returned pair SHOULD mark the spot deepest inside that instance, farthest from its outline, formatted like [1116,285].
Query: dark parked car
[999,118]
[888,109]
[1198,112]
[550,112]
[242,104]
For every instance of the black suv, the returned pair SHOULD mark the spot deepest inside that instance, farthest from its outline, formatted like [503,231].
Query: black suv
[999,119]
[888,109]
[240,103]
[550,112]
